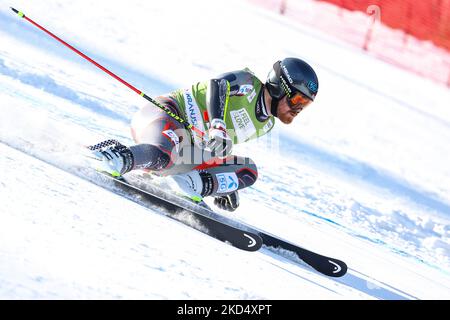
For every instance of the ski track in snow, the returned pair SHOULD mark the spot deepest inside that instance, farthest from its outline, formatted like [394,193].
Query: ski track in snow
[376,214]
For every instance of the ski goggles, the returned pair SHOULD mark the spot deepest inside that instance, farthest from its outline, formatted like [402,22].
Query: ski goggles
[298,101]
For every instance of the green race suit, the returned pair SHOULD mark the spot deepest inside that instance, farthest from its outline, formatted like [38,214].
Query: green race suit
[238,101]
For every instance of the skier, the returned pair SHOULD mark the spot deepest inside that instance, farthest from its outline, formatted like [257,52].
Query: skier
[232,108]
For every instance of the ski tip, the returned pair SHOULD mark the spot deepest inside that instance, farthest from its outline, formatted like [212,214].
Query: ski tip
[255,242]
[15,11]
[338,268]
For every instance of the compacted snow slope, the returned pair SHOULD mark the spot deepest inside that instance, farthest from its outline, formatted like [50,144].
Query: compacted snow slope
[362,175]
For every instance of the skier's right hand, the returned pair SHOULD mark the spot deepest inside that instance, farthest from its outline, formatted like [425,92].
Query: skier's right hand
[219,142]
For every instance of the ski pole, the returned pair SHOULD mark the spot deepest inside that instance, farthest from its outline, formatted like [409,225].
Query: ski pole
[200,133]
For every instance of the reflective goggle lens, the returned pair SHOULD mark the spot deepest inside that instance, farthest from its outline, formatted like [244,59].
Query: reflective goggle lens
[298,100]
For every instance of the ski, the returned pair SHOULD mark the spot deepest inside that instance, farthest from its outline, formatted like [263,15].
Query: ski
[225,229]
[328,266]
[239,238]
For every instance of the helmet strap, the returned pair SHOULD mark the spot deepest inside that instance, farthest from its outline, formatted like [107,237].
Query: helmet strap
[275,101]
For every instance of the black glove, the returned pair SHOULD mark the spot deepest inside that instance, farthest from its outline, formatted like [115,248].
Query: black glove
[230,202]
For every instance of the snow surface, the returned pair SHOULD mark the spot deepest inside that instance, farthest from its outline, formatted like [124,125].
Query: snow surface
[362,176]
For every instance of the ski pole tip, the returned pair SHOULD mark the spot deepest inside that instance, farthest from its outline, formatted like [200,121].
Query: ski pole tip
[18,12]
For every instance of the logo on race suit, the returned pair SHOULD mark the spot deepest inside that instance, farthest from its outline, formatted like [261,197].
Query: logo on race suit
[193,113]
[227,182]
[173,137]
[244,89]
[243,125]
[251,96]
[268,125]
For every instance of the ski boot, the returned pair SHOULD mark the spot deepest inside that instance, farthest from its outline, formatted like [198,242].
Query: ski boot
[112,156]
[193,185]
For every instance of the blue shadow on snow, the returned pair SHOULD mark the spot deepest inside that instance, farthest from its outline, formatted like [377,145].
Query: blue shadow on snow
[362,171]
[49,85]
[19,29]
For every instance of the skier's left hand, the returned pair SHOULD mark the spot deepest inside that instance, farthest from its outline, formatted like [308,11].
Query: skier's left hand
[229,202]
[219,142]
